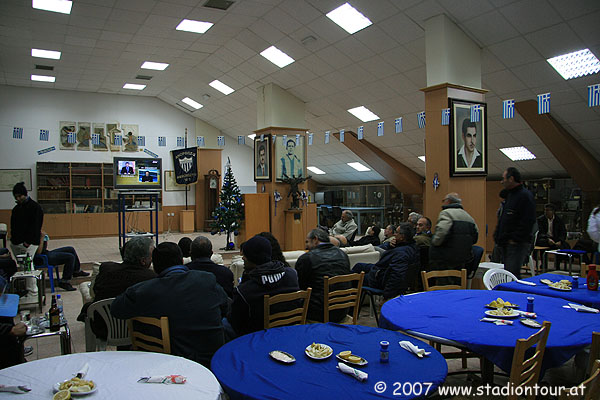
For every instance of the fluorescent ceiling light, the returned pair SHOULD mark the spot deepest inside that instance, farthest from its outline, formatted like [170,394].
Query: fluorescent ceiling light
[154,65]
[316,170]
[134,86]
[358,166]
[221,87]
[518,153]
[55,55]
[277,57]
[363,113]
[43,78]
[192,103]
[422,158]
[189,25]
[349,18]
[59,6]
[252,136]
[575,65]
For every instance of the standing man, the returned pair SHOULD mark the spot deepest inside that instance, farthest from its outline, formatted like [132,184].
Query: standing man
[25,223]
[291,165]
[468,156]
[261,167]
[516,222]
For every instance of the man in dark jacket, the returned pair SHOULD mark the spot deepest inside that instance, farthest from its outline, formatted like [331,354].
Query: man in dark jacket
[391,271]
[552,231]
[323,259]
[192,300]
[261,276]
[201,251]
[372,237]
[25,222]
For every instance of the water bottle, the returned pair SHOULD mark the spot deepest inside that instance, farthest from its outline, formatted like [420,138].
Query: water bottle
[384,353]
[59,304]
[530,304]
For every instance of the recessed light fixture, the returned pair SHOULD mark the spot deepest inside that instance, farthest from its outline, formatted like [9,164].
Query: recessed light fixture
[575,65]
[519,153]
[358,166]
[363,113]
[189,25]
[316,170]
[59,6]
[192,103]
[252,136]
[134,86]
[154,65]
[277,56]
[43,78]
[221,87]
[349,18]
[422,158]
[54,55]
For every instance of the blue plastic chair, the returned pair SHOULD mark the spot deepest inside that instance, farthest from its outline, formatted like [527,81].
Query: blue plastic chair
[41,261]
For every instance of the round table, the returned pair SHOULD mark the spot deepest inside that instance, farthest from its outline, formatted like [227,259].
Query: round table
[116,373]
[455,315]
[246,371]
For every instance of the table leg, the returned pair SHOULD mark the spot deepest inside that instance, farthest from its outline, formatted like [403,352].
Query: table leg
[65,341]
[487,370]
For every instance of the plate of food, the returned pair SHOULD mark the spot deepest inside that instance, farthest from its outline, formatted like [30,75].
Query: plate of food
[318,351]
[77,386]
[499,303]
[349,358]
[563,285]
[502,313]
[282,357]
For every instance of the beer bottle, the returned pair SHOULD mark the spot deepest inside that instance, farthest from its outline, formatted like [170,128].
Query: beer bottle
[54,315]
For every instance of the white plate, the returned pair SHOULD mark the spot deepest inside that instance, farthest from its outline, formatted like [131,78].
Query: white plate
[562,290]
[275,357]
[329,349]
[357,363]
[513,315]
[56,389]
[511,306]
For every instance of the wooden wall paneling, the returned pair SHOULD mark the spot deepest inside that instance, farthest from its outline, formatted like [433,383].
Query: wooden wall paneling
[256,215]
[311,219]
[207,159]
[492,200]
[58,226]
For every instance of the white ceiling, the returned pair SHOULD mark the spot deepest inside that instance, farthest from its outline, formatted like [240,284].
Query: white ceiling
[104,43]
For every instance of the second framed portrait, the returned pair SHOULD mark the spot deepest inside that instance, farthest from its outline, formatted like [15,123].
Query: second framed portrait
[468,138]
[262,158]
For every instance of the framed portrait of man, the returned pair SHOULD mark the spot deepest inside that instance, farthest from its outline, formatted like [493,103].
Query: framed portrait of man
[468,138]
[289,157]
[262,158]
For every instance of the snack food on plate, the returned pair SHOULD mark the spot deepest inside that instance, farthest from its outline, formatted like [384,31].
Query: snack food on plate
[501,312]
[77,385]
[319,350]
[563,284]
[499,303]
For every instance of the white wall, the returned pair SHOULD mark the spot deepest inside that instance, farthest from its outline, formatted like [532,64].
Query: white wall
[34,109]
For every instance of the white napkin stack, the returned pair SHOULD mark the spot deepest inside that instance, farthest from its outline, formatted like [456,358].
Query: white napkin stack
[83,371]
[359,375]
[579,307]
[525,282]
[408,346]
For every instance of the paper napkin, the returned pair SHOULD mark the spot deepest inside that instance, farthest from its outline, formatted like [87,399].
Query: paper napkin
[579,307]
[408,346]
[497,321]
[359,375]
[525,282]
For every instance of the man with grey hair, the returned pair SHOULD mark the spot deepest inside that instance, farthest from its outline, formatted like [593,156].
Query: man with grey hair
[413,218]
[201,252]
[344,228]
[322,259]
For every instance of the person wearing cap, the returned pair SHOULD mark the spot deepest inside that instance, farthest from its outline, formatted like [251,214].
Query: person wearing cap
[262,276]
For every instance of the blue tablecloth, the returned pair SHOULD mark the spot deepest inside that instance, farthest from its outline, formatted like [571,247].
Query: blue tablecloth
[456,314]
[581,295]
[246,371]
[9,305]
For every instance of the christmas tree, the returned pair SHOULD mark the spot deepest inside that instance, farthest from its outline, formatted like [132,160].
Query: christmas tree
[230,210]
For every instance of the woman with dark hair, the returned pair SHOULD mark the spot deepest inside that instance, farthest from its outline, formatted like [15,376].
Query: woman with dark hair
[276,253]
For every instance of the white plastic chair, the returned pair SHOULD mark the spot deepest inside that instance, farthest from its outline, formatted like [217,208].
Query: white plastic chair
[118,332]
[497,276]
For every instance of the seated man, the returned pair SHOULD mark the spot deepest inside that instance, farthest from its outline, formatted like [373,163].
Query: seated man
[344,228]
[66,256]
[11,345]
[192,300]
[389,232]
[323,259]
[372,237]
[201,251]
[390,272]
[185,244]
[552,231]
[261,276]
[413,218]
[423,235]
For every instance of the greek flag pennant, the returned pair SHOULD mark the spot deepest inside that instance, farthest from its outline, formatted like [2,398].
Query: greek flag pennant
[475,113]
[118,140]
[445,116]
[543,103]
[262,137]
[200,141]
[297,139]
[241,139]
[180,141]
[421,119]
[274,138]
[44,135]
[95,139]
[327,133]
[162,141]
[17,133]
[398,125]
[221,141]
[141,140]
[310,139]
[284,140]
[71,137]
[342,134]
[380,128]
[594,95]
[508,109]
[361,132]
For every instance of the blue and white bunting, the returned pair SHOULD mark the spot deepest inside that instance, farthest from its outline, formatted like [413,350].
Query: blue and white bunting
[594,95]
[118,140]
[475,113]
[508,109]
[398,125]
[241,139]
[151,153]
[47,150]
[162,141]
[380,128]
[262,137]
[71,137]
[297,139]
[445,116]
[361,132]
[284,140]
[141,141]
[543,103]
[221,141]
[200,141]
[44,135]
[327,133]
[342,135]
[95,139]
[180,141]
[310,139]
[421,119]
[17,133]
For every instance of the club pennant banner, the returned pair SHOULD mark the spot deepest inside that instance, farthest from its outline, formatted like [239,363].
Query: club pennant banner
[310,139]
[398,125]
[162,141]
[421,119]
[594,95]
[44,135]
[508,109]
[361,132]
[95,139]
[241,139]
[297,139]
[180,141]
[475,113]
[342,132]
[380,128]
[543,103]
[221,141]
[142,141]
[446,116]
[118,140]
[327,133]
[200,141]
[71,137]
[185,162]
[150,153]
[47,150]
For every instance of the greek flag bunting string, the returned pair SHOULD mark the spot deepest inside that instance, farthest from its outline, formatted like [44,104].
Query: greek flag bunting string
[380,128]
[142,141]
[221,141]
[446,116]
[398,125]
[342,132]
[162,141]
[594,95]
[508,109]
[118,140]
[543,103]
[17,133]
[297,139]
[200,141]
[95,139]
[421,119]
[44,135]
[475,113]
[310,139]
[180,141]
[361,132]
[71,137]
[327,133]
[241,139]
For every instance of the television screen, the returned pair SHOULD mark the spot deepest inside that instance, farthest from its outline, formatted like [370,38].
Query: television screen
[137,173]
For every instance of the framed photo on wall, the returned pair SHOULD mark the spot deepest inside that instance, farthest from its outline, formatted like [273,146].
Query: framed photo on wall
[10,177]
[170,183]
[262,158]
[289,157]
[468,139]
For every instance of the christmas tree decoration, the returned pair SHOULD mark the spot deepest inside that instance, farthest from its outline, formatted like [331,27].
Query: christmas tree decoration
[230,211]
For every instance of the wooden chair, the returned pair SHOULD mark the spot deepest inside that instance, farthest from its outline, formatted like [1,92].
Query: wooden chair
[526,372]
[142,341]
[588,389]
[584,270]
[462,274]
[297,316]
[344,298]
[594,352]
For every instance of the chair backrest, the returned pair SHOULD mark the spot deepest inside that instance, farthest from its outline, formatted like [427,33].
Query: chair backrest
[472,266]
[118,331]
[496,276]
[353,236]
[462,274]
[586,390]
[526,372]
[297,316]
[344,298]
[142,341]
[594,352]
[584,270]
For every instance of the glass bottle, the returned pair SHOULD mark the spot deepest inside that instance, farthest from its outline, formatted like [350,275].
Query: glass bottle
[592,278]
[27,264]
[54,316]
[59,304]
[384,353]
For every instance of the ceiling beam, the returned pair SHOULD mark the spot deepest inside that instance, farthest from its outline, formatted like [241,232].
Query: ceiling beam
[579,163]
[399,175]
